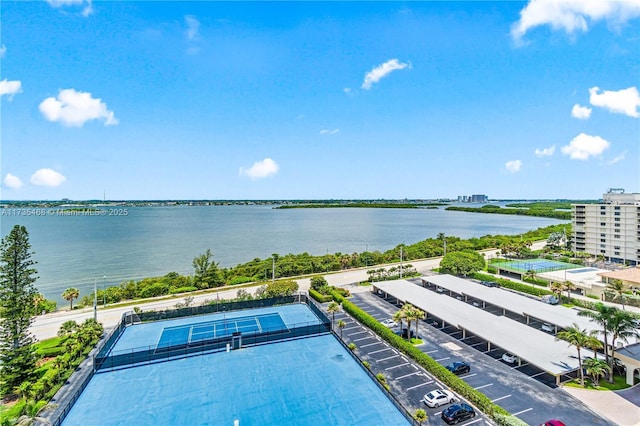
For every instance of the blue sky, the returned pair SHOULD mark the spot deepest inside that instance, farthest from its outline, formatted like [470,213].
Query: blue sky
[285,100]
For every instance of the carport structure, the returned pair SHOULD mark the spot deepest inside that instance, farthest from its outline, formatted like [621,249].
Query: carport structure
[538,348]
[528,308]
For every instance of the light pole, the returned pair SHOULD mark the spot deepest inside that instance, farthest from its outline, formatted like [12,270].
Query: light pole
[273,272]
[104,289]
[400,262]
[95,299]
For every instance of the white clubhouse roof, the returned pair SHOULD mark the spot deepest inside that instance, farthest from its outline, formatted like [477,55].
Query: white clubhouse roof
[535,346]
[582,277]
[527,306]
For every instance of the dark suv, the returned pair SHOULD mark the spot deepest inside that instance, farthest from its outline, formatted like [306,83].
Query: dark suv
[489,284]
[457,413]
[458,367]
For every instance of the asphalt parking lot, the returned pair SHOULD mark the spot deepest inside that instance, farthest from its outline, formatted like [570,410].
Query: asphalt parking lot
[524,390]
[408,381]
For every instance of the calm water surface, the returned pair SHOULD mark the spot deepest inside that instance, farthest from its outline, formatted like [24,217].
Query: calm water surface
[72,251]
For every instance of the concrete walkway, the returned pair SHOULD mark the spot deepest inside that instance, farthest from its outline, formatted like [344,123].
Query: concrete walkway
[615,406]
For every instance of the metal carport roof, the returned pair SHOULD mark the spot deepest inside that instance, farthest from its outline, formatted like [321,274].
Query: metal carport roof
[558,315]
[537,347]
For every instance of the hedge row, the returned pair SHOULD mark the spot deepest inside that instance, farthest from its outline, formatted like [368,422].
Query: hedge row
[513,285]
[454,382]
[319,296]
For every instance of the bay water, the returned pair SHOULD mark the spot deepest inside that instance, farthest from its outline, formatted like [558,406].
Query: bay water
[83,250]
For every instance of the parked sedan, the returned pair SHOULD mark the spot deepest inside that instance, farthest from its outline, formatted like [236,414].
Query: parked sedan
[459,367]
[509,358]
[457,413]
[389,323]
[438,397]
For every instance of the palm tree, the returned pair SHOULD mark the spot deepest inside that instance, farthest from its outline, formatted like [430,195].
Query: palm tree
[622,326]
[578,338]
[420,415]
[568,286]
[67,328]
[37,300]
[341,325]
[410,316]
[601,316]
[556,288]
[418,315]
[596,368]
[70,294]
[530,274]
[332,309]
[399,317]
[594,343]
[617,287]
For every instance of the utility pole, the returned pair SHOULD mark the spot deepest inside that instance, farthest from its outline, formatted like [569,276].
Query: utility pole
[104,289]
[445,247]
[95,299]
[400,262]
[273,272]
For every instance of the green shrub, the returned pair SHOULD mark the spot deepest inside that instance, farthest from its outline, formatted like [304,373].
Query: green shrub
[187,289]
[352,346]
[241,280]
[593,296]
[492,270]
[513,285]
[504,420]
[367,365]
[322,298]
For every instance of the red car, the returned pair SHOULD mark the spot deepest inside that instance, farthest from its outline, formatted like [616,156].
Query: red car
[553,423]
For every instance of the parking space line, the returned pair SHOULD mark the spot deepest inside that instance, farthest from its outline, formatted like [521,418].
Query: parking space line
[484,386]
[370,344]
[388,358]
[396,366]
[363,338]
[521,412]
[442,359]
[350,328]
[407,375]
[359,332]
[475,421]
[381,350]
[430,352]
[476,344]
[520,366]
[421,384]
[467,375]
[501,398]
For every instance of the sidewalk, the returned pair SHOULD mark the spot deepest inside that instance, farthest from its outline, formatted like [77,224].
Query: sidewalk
[609,404]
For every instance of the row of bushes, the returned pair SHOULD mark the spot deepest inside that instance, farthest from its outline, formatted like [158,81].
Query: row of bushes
[512,285]
[454,382]
[322,298]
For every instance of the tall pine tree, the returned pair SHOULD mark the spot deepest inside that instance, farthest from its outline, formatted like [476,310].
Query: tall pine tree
[17,295]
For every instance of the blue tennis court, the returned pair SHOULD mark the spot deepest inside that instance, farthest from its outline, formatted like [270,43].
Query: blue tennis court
[220,328]
[536,265]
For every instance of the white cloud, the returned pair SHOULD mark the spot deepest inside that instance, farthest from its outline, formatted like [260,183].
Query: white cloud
[382,70]
[73,108]
[11,181]
[260,169]
[47,177]
[617,159]
[10,88]
[329,131]
[193,27]
[584,146]
[347,90]
[580,112]
[625,101]
[545,152]
[513,166]
[86,11]
[572,15]
[3,51]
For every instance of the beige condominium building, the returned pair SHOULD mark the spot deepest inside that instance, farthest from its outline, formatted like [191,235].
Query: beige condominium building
[610,229]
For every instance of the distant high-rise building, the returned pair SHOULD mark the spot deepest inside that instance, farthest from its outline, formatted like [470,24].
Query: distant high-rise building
[610,229]
[479,198]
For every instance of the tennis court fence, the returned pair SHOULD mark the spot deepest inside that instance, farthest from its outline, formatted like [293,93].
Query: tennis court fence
[106,360]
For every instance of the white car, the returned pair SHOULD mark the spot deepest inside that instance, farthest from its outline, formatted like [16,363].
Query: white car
[389,323]
[509,358]
[547,327]
[438,397]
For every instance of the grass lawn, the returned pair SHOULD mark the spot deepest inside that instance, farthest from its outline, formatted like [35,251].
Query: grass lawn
[619,383]
[416,342]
